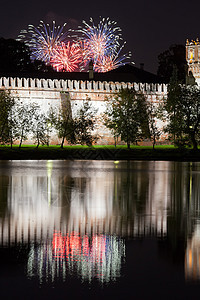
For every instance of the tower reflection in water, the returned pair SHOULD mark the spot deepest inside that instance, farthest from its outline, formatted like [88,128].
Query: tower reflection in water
[98,256]
[192,256]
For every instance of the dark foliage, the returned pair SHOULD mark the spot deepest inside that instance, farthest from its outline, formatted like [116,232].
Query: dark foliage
[15,58]
[175,56]
[183,113]
[126,116]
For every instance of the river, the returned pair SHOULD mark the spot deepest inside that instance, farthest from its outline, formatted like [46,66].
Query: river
[99,229]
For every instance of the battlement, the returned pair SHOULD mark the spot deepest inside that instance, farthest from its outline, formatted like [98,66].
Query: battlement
[62,85]
[192,42]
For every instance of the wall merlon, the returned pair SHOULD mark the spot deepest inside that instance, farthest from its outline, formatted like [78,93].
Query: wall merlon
[82,85]
[107,86]
[95,84]
[130,85]
[76,85]
[112,87]
[50,83]
[89,85]
[70,84]
[124,85]
[100,86]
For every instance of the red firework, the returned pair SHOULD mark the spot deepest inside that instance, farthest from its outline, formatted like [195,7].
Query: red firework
[111,62]
[105,64]
[66,57]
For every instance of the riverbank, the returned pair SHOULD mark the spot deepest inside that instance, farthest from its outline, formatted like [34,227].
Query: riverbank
[98,153]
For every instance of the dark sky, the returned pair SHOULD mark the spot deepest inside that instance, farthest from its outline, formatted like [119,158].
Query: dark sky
[148,27]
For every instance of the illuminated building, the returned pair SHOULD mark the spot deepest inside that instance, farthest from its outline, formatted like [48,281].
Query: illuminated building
[193,59]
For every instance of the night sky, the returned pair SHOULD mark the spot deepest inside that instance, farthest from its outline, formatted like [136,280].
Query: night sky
[148,27]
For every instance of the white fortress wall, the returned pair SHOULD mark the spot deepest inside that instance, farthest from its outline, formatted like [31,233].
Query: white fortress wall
[47,93]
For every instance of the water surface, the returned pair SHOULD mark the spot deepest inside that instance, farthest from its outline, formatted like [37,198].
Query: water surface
[93,229]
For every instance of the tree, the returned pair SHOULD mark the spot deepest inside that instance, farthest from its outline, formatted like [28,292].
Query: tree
[77,128]
[15,58]
[84,124]
[41,129]
[183,112]
[40,66]
[6,104]
[173,117]
[175,56]
[22,121]
[62,120]
[154,131]
[126,116]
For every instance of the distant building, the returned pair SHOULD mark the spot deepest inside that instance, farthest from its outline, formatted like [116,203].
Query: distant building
[193,60]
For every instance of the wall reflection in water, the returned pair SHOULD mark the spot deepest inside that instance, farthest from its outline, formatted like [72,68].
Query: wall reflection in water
[76,215]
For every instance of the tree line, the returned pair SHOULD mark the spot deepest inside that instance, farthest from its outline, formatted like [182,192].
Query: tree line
[133,118]
[20,121]
[129,116]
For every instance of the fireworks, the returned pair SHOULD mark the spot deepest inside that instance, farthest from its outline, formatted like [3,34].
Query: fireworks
[101,43]
[42,40]
[111,62]
[100,40]
[66,57]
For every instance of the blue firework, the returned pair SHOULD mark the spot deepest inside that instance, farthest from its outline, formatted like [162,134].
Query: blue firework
[43,39]
[99,40]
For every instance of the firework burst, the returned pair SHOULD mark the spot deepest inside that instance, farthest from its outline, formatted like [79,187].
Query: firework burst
[43,39]
[102,44]
[66,57]
[99,40]
[111,62]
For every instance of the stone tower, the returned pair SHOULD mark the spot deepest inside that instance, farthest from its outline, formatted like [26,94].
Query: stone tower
[193,59]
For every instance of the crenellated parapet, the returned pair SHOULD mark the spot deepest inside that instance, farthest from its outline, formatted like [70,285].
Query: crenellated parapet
[76,85]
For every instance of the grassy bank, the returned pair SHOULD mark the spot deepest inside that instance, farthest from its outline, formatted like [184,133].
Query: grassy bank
[98,153]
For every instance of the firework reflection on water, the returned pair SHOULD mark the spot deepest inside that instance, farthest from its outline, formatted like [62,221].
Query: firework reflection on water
[89,257]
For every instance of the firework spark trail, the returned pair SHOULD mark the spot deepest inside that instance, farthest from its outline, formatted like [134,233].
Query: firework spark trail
[101,44]
[108,63]
[112,61]
[43,39]
[66,57]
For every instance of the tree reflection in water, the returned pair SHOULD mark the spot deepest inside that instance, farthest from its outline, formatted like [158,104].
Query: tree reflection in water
[76,215]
